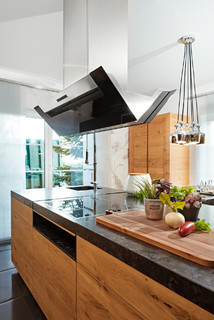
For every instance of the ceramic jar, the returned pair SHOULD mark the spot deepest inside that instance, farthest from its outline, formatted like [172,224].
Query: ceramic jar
[133,179]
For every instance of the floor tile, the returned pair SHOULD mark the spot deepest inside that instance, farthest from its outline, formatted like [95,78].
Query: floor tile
[11,285]
[5,260]
[23,308]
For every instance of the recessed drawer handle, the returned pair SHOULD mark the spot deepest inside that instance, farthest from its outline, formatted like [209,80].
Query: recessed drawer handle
[61,98]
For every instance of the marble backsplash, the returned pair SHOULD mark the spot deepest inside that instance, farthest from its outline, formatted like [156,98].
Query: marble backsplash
[112,158]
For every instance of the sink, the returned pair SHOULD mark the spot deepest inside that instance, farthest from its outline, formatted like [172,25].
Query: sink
[79,188]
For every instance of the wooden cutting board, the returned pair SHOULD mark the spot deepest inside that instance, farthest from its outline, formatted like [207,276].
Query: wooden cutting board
[197,246]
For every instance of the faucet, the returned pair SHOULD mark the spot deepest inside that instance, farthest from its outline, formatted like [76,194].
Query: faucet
[95,166]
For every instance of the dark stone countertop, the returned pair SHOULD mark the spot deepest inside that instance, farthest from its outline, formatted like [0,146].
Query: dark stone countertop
[190,280]
[208,200]
[28,196]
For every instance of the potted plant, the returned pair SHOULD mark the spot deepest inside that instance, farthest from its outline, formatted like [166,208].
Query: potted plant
[192,201]
[150,192]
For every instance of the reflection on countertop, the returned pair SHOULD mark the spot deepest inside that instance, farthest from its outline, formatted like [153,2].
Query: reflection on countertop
[85,206]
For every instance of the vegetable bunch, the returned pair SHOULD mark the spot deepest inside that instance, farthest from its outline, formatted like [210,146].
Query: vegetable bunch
[187,194]
[174,205]
[190,226]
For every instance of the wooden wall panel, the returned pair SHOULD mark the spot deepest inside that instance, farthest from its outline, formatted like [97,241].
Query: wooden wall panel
[158,147]
[150,151]
[138,149]
[179,158]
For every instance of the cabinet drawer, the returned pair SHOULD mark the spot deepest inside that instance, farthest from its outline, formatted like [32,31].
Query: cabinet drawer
[146,295]
[54,279]
[95,301]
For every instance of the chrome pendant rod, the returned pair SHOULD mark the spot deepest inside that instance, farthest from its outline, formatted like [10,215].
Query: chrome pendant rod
[181,80]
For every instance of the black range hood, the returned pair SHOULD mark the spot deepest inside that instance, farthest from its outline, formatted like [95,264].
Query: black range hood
[97,103]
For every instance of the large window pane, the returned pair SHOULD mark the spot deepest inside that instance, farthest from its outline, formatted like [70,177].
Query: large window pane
[34,157]
[67,160]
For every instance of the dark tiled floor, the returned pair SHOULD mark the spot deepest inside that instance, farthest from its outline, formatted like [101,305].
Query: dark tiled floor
[16,301]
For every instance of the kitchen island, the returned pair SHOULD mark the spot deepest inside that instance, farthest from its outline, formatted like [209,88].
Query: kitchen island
[99,273]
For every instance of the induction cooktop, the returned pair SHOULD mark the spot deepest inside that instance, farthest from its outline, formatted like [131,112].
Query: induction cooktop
[89,206]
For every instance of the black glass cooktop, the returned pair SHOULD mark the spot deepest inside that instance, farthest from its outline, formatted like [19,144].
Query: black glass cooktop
[89,206]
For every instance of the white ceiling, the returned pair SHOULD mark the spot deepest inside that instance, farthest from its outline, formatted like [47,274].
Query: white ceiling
[155,57]
[18,9]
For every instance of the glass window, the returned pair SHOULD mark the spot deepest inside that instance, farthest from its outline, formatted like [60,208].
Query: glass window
[34,155]
[67,160]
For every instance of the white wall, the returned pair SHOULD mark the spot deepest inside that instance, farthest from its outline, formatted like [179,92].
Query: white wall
[108,37]
[201,157]
[33,47]
[75,59]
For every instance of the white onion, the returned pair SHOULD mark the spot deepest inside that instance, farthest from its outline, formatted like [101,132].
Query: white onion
[174,219]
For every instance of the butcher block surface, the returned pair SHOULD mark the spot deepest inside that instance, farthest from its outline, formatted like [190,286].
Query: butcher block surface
[197,246]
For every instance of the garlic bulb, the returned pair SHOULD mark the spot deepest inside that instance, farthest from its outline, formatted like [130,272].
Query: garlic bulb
[174,219]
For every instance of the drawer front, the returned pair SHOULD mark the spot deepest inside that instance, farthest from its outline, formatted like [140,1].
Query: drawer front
[21,239]
[96,301]
[54,279]
[146,295]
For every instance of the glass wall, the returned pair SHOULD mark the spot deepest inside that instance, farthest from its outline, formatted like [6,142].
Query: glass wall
[34,156]
[67,157]
[67,160]
[12,152]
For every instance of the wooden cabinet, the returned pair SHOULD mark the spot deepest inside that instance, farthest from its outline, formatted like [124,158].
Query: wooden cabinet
[107,277]
[150,151]
[98,287]
[49,273]
[54,279]
[97,301]
[21,239]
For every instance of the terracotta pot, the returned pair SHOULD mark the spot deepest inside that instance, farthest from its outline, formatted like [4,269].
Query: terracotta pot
[190,214]
[154,209]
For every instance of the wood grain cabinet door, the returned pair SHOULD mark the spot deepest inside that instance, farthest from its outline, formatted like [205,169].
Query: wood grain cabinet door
[150,151]
[21,239]
[159,147]
[54,279]
[96,301]
[138,149]
[107,279]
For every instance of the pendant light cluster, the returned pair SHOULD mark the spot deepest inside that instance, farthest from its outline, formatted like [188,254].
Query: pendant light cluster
[187,133]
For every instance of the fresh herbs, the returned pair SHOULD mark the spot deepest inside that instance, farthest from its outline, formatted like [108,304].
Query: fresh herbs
[163,185]
[202,225]
[180,192]
[152,190]
[165,198]
[187,194]
[146,190]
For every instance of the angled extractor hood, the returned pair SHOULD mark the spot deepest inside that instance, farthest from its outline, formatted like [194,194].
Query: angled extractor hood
[97,103]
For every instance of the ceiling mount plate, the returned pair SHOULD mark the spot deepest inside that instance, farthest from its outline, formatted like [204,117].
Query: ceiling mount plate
[187,39]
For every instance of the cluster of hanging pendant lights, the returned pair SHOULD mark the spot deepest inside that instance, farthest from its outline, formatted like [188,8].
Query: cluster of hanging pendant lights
[187,132]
